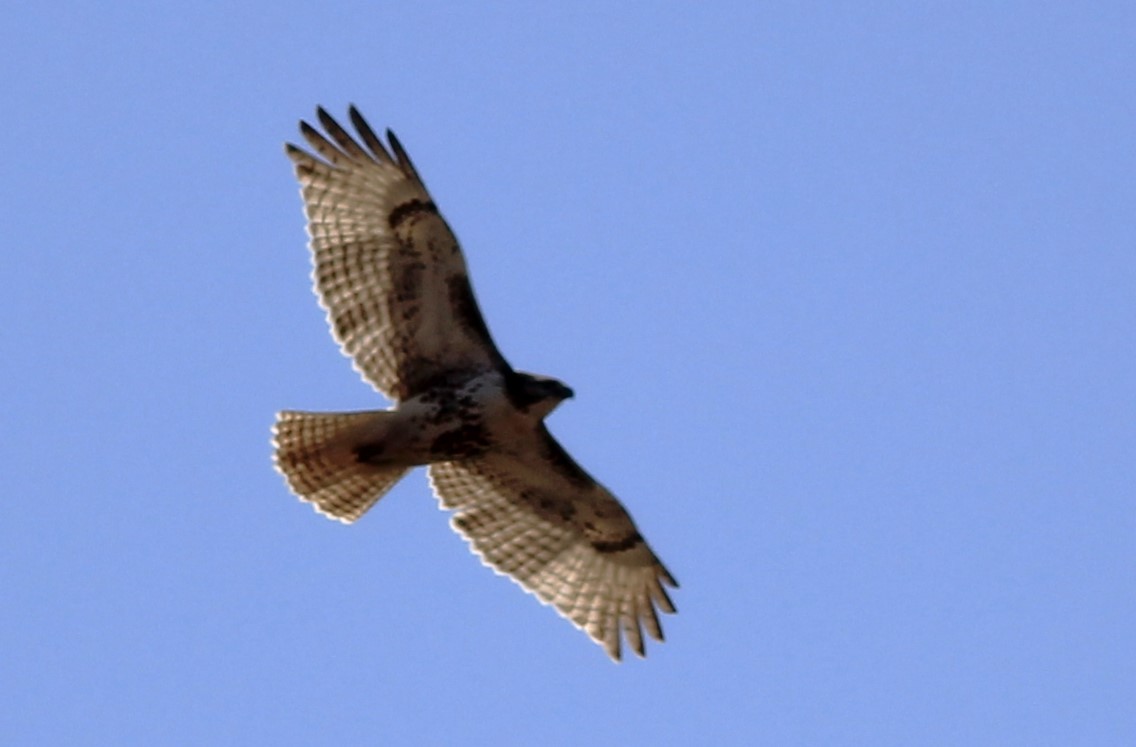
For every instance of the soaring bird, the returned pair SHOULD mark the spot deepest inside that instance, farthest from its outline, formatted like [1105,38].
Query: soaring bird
[393,280]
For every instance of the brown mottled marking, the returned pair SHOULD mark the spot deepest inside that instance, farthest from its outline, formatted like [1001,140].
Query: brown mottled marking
[351,319]
[465,308]
[551,506]
[621,545]
[467,440]
[368,452]
[409,208]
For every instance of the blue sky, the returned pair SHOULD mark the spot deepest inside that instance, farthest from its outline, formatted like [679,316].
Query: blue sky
[846,295]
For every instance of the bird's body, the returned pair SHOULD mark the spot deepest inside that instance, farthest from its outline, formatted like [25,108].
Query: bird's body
[394,282]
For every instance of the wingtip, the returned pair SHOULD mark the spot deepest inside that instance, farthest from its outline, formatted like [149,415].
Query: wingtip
[307,130]
[328,123]
[326,119]
[400,155]
[378,149]
[394,141]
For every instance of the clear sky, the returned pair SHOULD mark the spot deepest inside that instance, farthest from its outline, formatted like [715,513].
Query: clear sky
[847,296]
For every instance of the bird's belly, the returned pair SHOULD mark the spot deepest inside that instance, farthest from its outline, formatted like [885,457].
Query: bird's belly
[448,424]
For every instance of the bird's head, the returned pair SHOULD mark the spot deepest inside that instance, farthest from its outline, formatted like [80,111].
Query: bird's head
[538,395]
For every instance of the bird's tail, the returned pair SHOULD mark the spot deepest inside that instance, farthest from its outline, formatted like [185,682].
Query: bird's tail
[327,459]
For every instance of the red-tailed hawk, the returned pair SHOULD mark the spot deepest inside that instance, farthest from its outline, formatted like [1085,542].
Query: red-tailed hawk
[393,280]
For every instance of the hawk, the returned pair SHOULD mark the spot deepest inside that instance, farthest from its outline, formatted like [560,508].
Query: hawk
[390,274]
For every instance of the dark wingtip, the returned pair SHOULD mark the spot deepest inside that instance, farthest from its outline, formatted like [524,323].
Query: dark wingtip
[396,146]
[307,130]
[372,141]
[326,120]
[343,138]
[400,154]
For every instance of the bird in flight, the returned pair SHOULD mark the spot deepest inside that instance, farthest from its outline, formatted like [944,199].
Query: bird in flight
[390,274]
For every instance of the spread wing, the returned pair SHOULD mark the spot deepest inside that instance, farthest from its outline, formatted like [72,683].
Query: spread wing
[387,268]
[536,516]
